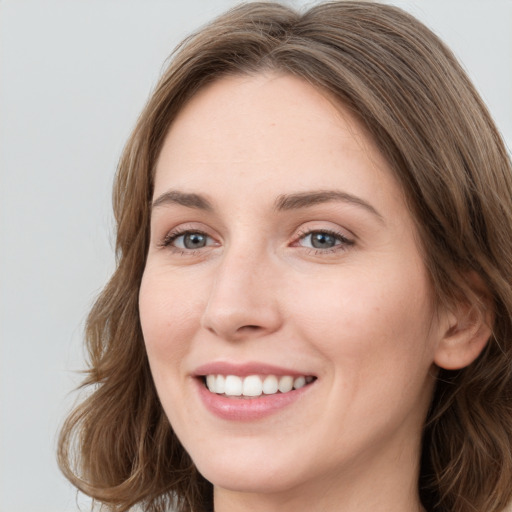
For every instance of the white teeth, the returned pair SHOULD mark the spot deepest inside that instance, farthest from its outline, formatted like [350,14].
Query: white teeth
[285,384]
[299,382]
[253,385]
[220,384]
[270,385]
[210,382]
[233,385]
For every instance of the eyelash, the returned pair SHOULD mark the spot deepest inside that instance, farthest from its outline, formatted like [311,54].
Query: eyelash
[345,242]
[342,246]
[177,233]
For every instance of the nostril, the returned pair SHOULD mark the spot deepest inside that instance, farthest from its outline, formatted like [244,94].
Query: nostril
[249,328]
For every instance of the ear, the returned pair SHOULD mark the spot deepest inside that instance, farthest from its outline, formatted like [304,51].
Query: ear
[468,327]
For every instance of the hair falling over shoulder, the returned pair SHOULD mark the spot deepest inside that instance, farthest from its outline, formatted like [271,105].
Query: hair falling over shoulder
[415,100]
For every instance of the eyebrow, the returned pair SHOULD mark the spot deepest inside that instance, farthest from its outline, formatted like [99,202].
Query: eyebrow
[308,199]
[284,202]
[184,199]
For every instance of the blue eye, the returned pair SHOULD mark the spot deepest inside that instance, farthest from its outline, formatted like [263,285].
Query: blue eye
[320,240]
[323,240]
[188,240]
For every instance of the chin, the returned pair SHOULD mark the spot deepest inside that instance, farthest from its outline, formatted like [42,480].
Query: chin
[248,480]
[241,472]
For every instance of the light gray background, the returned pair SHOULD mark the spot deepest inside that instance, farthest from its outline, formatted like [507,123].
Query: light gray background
[74,76]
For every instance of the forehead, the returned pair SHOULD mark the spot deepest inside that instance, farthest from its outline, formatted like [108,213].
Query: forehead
[270,130]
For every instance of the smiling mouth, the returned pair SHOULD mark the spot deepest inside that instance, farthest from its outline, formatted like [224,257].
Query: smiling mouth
[254,386]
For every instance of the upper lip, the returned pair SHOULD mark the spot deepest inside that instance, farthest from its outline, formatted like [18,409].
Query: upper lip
[245,369]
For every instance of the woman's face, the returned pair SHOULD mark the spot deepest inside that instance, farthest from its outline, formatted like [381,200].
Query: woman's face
[282,254]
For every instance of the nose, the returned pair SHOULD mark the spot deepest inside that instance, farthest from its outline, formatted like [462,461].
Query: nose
[243,298]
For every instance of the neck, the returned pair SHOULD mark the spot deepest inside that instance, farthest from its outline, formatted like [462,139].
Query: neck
[305,503]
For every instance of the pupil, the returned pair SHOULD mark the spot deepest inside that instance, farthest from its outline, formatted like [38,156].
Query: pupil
[194,240]
[322,241]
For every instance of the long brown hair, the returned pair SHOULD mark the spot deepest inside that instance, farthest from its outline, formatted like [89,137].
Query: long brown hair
[417,103]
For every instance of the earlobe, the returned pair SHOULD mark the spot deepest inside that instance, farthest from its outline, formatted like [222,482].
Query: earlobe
[468,330]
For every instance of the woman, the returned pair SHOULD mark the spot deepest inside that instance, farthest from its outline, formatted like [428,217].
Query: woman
[312,308]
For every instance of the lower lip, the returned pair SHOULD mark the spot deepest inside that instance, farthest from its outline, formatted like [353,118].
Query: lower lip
[248,409]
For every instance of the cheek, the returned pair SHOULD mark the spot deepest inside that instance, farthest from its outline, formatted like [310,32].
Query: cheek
[169,318]
[374,333]
[379,319]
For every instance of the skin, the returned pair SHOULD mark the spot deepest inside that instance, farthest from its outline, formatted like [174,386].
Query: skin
[359,316]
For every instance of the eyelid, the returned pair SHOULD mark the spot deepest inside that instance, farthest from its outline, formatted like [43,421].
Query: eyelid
[324,227]
[344,239]
[170,236]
